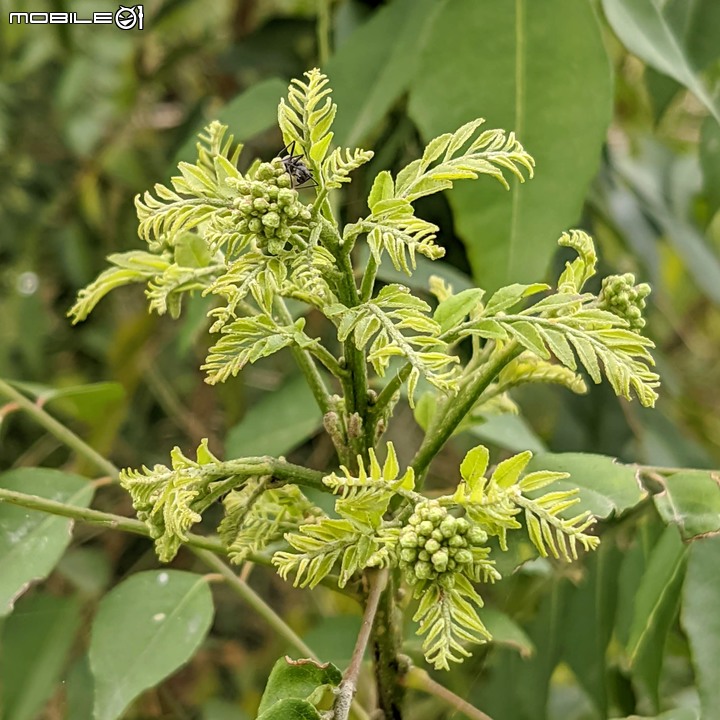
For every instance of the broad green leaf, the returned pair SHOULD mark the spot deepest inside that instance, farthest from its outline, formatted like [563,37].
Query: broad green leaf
[299,679]
[691,500]
[80,689]
[246,115]
[710,162]
[291,709]
[474,465]
[540,70]
[505,631]
[701,620]
[665,185]
[663,35]
[32,542]
[656,604]
[606,486]
[373,67]
[334,637]
[511,432]
[589,620]
[277,423]
[145,628]
[34,645]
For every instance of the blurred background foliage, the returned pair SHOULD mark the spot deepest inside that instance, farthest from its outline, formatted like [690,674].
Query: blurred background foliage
[616,102]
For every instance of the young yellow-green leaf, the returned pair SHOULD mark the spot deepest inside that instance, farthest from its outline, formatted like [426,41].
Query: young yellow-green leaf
[474,465]
[454,310]
[383,188]
[508,471]
[510,295]
[291,709]
[32,542]
[145,629]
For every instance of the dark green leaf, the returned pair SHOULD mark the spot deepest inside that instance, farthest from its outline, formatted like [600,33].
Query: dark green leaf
[32,542]
[656,604]
[710,162]
[34,646]
[540,70]
[291,709]
[691,500]
[373,67]
[701,620]
[298,679]
[276,424]
[145,629]
[663,35]
[606,486]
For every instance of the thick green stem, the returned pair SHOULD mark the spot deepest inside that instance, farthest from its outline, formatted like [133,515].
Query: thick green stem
[96,517]
[63,434]
[387,644]
[386,395]
[457,407]
[306,363]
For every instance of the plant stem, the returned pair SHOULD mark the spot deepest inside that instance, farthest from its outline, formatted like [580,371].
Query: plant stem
[306,364]
[56,428]
[418,679]
[387,643]
[255,602]
[386,395]
[377,580]
[323,32]
[458,407]
[97,517]
[368,281]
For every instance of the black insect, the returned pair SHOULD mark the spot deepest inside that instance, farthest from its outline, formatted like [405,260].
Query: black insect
[295,166]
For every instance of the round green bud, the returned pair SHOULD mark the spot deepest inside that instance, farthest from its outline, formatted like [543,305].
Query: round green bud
[436,514]
[408,539]
[284,181]
[476,535]
[432,545]
[462,526]
[271,220]
[440,560]
[284,233]
[265,172]
[423,571]
[285,196]
[451,564]
[305,214]
[436,535]
[423,555]
[414,519]
[463,557]
[254,225]
[261,204]
[457,541]
[292,211]
[272,192]
[425,528]
[448,527]
[408,555]
[257,190]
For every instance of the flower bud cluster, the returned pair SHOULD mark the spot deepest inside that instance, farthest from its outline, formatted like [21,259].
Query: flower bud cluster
[623,298]
[270,209]
[434,545]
